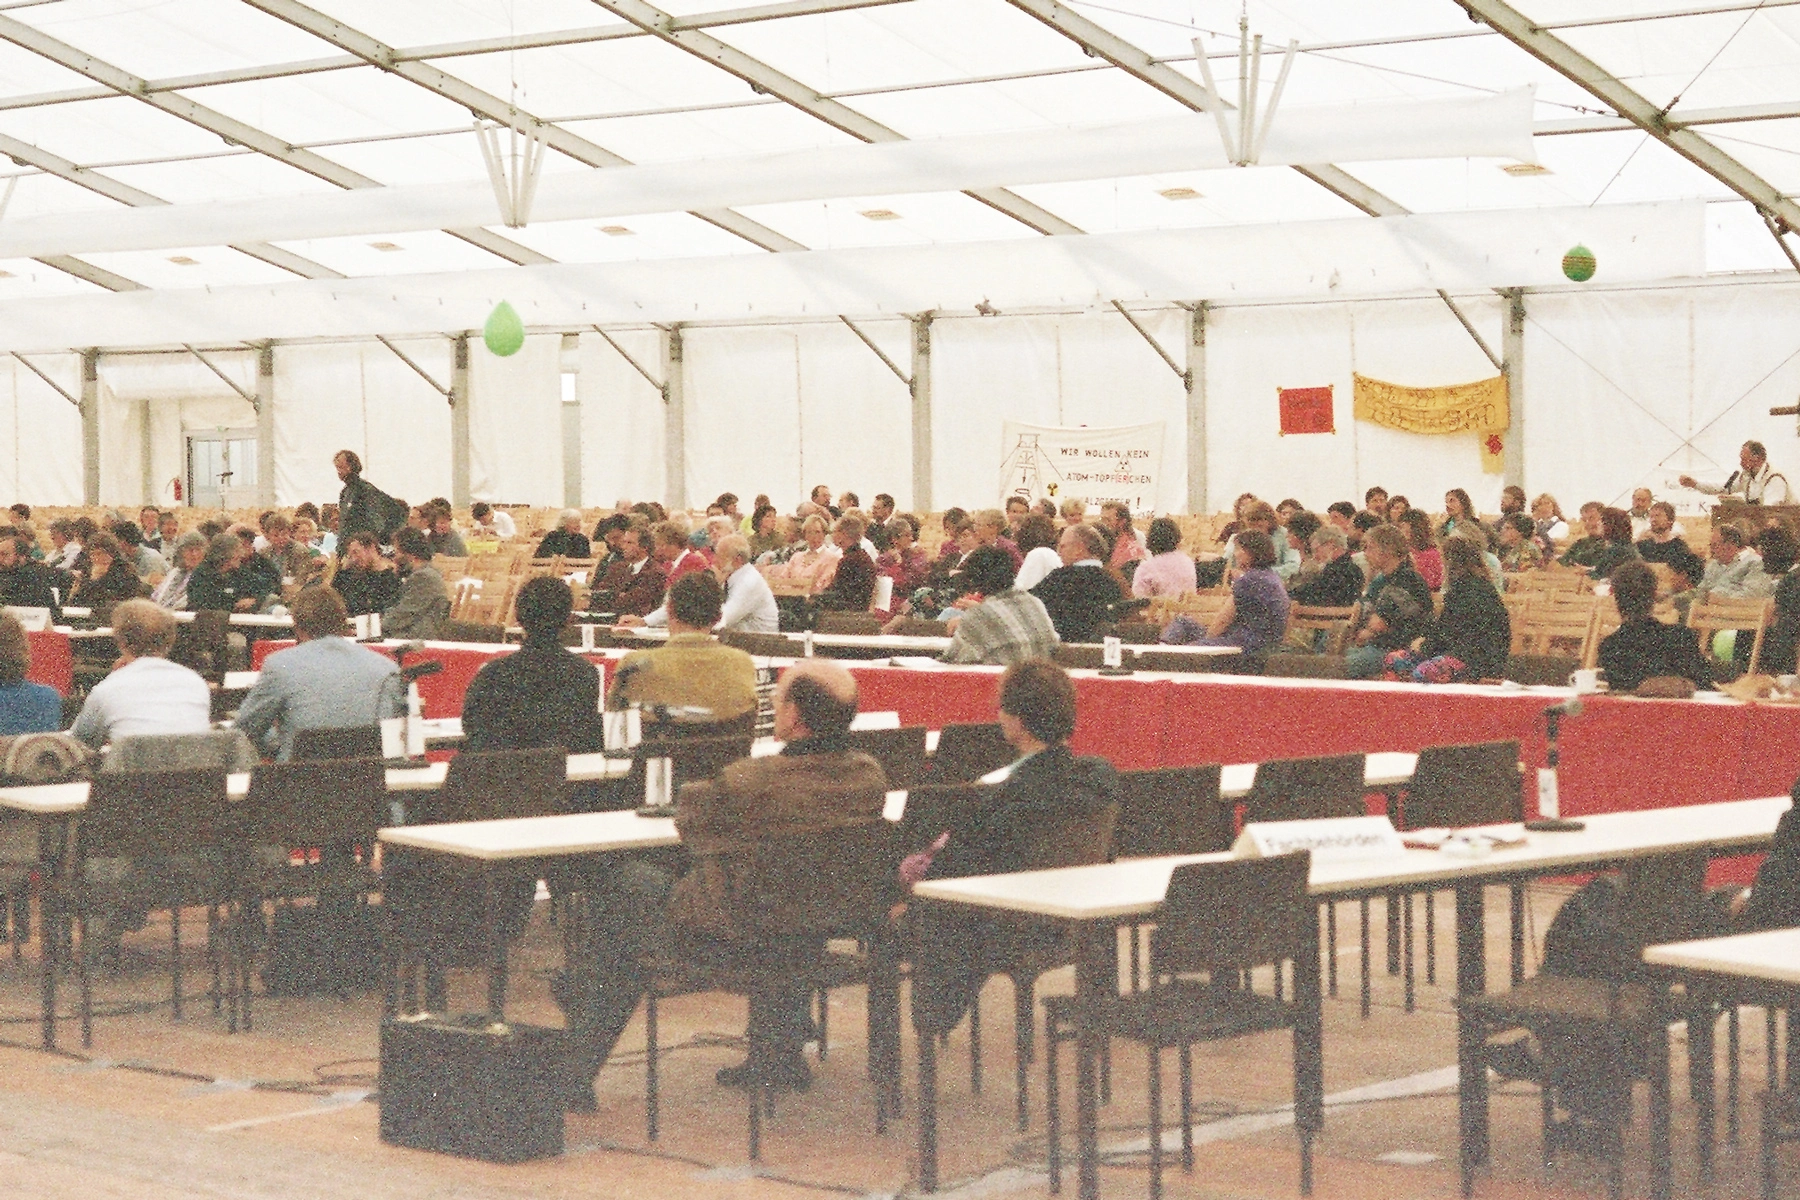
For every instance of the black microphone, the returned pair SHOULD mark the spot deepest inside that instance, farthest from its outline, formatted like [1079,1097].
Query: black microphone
[1568,708]
[416,671]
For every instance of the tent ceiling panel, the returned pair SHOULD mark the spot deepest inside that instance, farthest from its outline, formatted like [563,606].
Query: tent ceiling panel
[39,194]
[1738,241]
[1770,148]
[685,137]
[423,251]
[23,73]
[1019,104]
[657,235]
[153,40]
[113,130]
[24,279]
[239,176]
[401,22]
[218,266]
[922,219]
[1666,59]
[1225,197]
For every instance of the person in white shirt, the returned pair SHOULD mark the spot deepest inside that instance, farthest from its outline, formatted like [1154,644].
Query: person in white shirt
[492,522]
[146,693]
[749,604]
[1754,482]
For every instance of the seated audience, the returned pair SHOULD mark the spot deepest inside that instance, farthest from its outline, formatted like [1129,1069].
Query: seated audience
[903,561]
[1616,547]
[1512,500]
[541,695]
[1779,550]
[145,561]
[989,528]
[814,785]
[214,584]
[1519,549]
[1781,641]
[325,681]
[1394,609]
[692,669]
[1472,636]
[852,584]
[1239,517]
[1036,539]
[255,576]
[1260,517]
[1552,527]
[1255,617]
[1046,799]
[566,539]
[1167,571]
[293,557]
[1459,511]
[491,522]
[1731,569]
[1644,647]
[633,586]
[1081,594]
[1662,543]
[765,531]
[1338,581]
[367,582]
[1427,559]
[1375,504]
[677,557]
[749,605]
[1115,521]
[1587,549]
[445,541]
[149,527]
[25,707]
[28,584]
[108,578]
[993,622]
[1397,508]
[424,601]
[146,693]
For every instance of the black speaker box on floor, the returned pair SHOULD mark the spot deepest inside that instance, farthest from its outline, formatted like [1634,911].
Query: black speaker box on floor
[455,1087]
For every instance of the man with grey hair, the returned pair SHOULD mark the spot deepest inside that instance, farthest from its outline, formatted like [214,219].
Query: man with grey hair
[1080,594]
[1338,582]
[146,693]
[990,530]
[1754,482]
[749,604]
[566,539]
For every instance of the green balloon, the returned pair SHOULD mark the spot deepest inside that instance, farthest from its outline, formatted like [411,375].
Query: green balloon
[1724,644]
[504,333]
[1579,264]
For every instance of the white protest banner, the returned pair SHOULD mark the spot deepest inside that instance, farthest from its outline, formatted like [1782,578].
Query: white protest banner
[1123,463]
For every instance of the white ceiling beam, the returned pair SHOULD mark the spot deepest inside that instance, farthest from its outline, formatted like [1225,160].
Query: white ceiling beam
[1583,71]
[487,106]
[232,130]
[1692,118]
[26,154]
[1102,43]
[87,271]
[764,78]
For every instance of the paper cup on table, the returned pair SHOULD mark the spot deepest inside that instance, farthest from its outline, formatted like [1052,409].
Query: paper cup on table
[659,782]
[587,638]
[393,737]
[1112,652]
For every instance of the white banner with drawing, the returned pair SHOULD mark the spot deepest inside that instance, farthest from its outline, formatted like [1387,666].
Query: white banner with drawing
[1122,463]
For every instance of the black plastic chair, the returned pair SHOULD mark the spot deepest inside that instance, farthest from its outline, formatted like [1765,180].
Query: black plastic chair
[901,752]
[1221,920]
[966,752]
[346,741]
[1170,810]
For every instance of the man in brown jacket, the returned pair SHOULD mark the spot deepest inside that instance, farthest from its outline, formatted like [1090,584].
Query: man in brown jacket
[815,784]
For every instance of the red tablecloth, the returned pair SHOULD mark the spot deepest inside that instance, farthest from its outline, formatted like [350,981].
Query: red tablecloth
[52,660]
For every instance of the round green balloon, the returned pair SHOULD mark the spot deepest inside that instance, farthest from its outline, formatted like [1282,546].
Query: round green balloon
[504,333]
[1579,264]
[1724,644]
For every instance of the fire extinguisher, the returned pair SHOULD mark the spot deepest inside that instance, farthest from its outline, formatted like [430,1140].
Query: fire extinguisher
[175,486]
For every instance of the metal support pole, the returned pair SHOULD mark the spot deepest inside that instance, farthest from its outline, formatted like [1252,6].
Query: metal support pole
[459,423]
[674,420]
[1196,411]
[571,423]
[265,424]
[1512,358]
[920,387]
[90,426]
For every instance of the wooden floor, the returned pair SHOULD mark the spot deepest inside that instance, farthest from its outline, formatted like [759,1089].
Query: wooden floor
[157,1109]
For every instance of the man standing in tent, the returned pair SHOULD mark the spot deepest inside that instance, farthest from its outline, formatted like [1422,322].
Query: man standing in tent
[1755,481]
[363,507]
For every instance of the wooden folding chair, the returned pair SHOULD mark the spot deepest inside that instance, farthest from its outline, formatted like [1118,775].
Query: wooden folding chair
[1745,616]
[1334,623]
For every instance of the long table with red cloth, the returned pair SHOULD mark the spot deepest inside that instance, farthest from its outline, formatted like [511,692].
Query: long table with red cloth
[52,660]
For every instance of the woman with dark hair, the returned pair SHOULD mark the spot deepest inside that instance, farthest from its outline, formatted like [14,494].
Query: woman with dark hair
[1036,540]
[214,584]
[903,561]
[1615,529]
[1167,572]
[1644,647]
[1459,511]
[1237,517]
[1519,549]
[993,621]
[1397,507]
[1256,615]
[109,578]
[765,531]
[1471,637]
[1427,559]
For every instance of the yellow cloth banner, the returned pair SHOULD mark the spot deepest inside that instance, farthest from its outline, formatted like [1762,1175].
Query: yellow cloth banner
[1480,408]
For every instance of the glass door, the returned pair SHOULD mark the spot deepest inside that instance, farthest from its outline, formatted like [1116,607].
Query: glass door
[222,469]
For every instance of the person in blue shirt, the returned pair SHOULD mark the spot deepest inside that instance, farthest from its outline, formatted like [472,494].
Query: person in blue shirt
[25,707]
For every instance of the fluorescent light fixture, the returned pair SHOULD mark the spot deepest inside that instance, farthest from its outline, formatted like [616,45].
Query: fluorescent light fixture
[1178,193]
[881,214]
[182,260]
[386,247]
[1522,170]
[617,230]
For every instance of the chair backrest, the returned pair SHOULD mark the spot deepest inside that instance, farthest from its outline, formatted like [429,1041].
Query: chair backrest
[1459,786]
[1299,789]
[1233,915]
[1171,810]
[1075,839]
[919,627]
[848,622]
[1335,622]
[470,631]
[499,784]
[1661,898]
[345,741]
[1745,616]
[316,803]
[216,749]
[901,752]
[931,810]
[967,752]
[832,882]
[761,645]
[203,644]
[1078,656]
[694,758]
[1177,660]
[141,814]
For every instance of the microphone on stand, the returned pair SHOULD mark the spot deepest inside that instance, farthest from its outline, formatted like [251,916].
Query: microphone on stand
[1572,707]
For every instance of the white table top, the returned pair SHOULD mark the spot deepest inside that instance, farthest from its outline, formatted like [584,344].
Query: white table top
[547,837]
[1383,769]
[1135,887]
[1772,955]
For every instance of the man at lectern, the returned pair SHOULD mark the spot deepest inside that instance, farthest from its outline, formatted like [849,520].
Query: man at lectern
[1755,481]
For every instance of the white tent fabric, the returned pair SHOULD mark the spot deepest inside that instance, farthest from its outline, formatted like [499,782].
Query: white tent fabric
[41,431]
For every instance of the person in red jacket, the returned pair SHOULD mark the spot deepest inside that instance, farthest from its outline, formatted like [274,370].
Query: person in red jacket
[633,585]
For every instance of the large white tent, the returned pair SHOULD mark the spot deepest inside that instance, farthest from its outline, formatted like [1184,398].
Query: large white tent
[847,240]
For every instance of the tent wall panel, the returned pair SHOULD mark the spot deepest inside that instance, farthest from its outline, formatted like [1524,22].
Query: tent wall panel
[515,423]
[41,430]
[621,419]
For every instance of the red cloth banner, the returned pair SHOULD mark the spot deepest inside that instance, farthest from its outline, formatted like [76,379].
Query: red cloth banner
[1306,410]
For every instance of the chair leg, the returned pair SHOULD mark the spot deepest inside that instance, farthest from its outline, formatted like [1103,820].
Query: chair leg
[1331,950]
[1187,1108]
[1732,1034]
[1365,958]
[1106,1070]
[1134,931]
[824,1023]
[1431,938]
[215,991]
[1024,1002]
[756,1103]
[1771,1127]
[1516,919]
[975,1044]
[1406,951]
[651,1110]
[86,984]
[1052,1105]
[1155,1086]
[175,956]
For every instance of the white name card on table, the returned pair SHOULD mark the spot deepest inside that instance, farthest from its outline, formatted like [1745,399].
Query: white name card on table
[35,620]
[1339,839]
[366,626]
